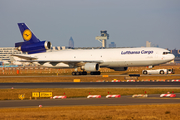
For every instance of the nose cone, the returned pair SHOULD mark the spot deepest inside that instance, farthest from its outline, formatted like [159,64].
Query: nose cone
[170,57]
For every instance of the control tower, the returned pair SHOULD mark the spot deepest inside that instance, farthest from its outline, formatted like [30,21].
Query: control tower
[104,36]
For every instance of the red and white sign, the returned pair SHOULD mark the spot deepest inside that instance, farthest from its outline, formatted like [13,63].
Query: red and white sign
[168,95]
[130,81]
[140,95]
[161,80]
[116,80]
[59,97]
[113,96]
[175,80]
[146,80]
[94,96]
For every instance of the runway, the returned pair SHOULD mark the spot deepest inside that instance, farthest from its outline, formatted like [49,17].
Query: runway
[124,100]
[92,85]
[84,75]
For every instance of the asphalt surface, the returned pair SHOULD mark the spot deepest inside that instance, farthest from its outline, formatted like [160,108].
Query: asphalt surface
[123,100]
[86,75]
[92,85]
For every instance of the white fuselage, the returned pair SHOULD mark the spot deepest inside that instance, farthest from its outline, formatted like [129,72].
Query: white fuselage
[117,57]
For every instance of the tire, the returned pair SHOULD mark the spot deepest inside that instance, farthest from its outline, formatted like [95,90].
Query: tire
[98,73]
[73,73]
[95,73]
[145,72]
[161,72]
[91,73]
[84,73]
[77,73]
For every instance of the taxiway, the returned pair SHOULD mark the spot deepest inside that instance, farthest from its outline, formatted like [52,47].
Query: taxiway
[124,100]
[92,85]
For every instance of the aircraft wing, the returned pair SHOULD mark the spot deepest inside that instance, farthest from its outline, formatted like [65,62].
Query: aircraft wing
[77,63]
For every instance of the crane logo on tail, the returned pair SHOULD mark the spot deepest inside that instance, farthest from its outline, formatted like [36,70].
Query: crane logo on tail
[27,35]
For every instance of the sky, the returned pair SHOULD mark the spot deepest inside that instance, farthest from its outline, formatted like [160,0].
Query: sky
[129,23]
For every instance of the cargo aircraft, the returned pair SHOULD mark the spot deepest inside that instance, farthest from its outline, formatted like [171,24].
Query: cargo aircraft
[88,60]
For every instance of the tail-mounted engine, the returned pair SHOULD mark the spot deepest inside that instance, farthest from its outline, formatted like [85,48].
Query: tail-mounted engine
[30,48]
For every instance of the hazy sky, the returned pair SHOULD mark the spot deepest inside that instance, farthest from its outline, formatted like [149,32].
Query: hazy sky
[130,23]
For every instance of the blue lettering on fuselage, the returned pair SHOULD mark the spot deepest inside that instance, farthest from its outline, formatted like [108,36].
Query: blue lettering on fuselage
[146,52]
[136,52]
[130,52]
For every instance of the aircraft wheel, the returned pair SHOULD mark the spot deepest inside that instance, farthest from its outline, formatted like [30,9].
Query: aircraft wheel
[98,73]
[77,73]
[73,73]
[161,72]
[95,73]
[145,72]
[84,73]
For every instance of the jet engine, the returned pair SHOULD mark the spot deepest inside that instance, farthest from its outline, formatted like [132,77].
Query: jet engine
[91,67]
[38,47]
[120,68]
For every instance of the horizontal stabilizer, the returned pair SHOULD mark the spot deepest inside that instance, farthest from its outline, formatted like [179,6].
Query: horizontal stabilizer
[23,56]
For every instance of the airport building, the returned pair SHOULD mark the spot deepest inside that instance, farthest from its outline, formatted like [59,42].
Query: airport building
[175,52]
[112,45]
[71,43]
[5,53]
[104,36]
[148,44]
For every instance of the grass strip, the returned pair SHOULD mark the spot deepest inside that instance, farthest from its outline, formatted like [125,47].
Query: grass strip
[82,79]
[139,112]
[12,94]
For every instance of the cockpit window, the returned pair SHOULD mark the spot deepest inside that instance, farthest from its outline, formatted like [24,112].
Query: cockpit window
[165,53]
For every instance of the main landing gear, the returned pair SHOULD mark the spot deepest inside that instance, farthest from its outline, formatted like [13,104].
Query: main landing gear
[85,73]
[79,73]
[95,73]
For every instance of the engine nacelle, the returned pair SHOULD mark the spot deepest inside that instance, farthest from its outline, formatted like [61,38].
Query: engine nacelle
[38,47]
[91,67]
[120,68]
